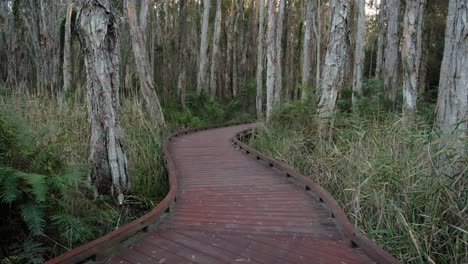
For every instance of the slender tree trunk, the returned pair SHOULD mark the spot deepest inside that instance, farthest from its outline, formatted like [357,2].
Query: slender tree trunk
[306,58]
[318,46]
[182,53]
[97,29]
[359,55]
[335,63]
[452,100]
[143,65]
[279,54]
[203,57]
[411,57]
[215,50]
[271,58]
[391,65]
[261,37]
[381,39]
[67,71]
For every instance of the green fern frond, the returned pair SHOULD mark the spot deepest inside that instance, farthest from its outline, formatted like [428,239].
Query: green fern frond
[33,215]
[37,184]
[9,190]
[30,252]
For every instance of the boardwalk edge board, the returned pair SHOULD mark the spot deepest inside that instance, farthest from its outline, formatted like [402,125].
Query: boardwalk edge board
[356,239]
[103,247]
[108,244]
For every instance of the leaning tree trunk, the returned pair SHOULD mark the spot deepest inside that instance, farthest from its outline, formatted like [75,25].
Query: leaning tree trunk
[202,56]
[271,57]
[335,62]
[359,55]
[97,30]
[411,57]
[380,39]
[452,100]
[279,53]
[261,37]
[391,65]
[215,51]
[306,60]
[67,50]
[143,65]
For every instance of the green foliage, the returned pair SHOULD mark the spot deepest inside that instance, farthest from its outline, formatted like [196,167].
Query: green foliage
[202,110]
[28,252]
[382,174]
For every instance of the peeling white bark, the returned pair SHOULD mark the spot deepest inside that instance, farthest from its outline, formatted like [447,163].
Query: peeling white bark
[215,51]
[335,62]
[279,53]
[271,58]
[203,57]
[411,57]
[97,29]
[391,64]
[452,100]
[359,55]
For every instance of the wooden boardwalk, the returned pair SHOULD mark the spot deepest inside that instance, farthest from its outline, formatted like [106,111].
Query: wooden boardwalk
[233,209]
[229,203]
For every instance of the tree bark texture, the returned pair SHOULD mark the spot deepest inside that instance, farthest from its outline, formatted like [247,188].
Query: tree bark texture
[452,100]
[381,39]
[411,50]
[335,62]
[67,70]
[97,30]
[306,58]
[203,57]
[391,64]
[359,55]
[271,58]
[215,50]
[260,60]
[279,53]
[143,65]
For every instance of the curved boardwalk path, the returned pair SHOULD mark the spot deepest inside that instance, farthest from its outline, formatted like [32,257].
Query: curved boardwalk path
[232,208]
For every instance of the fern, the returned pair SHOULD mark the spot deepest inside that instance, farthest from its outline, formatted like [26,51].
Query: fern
[33,215]
[37,185]
[9,191]
[71,229]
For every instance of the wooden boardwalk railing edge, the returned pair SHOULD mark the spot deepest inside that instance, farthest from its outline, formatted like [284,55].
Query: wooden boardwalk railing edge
[104,246]
[355,237]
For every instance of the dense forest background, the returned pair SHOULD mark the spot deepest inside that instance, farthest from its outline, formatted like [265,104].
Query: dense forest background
[369,98]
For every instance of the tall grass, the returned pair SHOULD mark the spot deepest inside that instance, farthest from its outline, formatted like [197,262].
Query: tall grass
[382,175]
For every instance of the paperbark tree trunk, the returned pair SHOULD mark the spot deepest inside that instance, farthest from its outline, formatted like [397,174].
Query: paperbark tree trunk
[452,100]
[359,55]
[391,65]
[380,39]
[279,53]
[271,58]
[215,51]
[67,71]
[335,63]
[182,75]
[97,30]
[260,46]
[411,50]
[318,46]
[306,60]
[143,65]
[203,57]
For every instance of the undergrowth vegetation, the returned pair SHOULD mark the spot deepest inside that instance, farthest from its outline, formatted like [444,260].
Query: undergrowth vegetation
[383,175]
[46,203]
